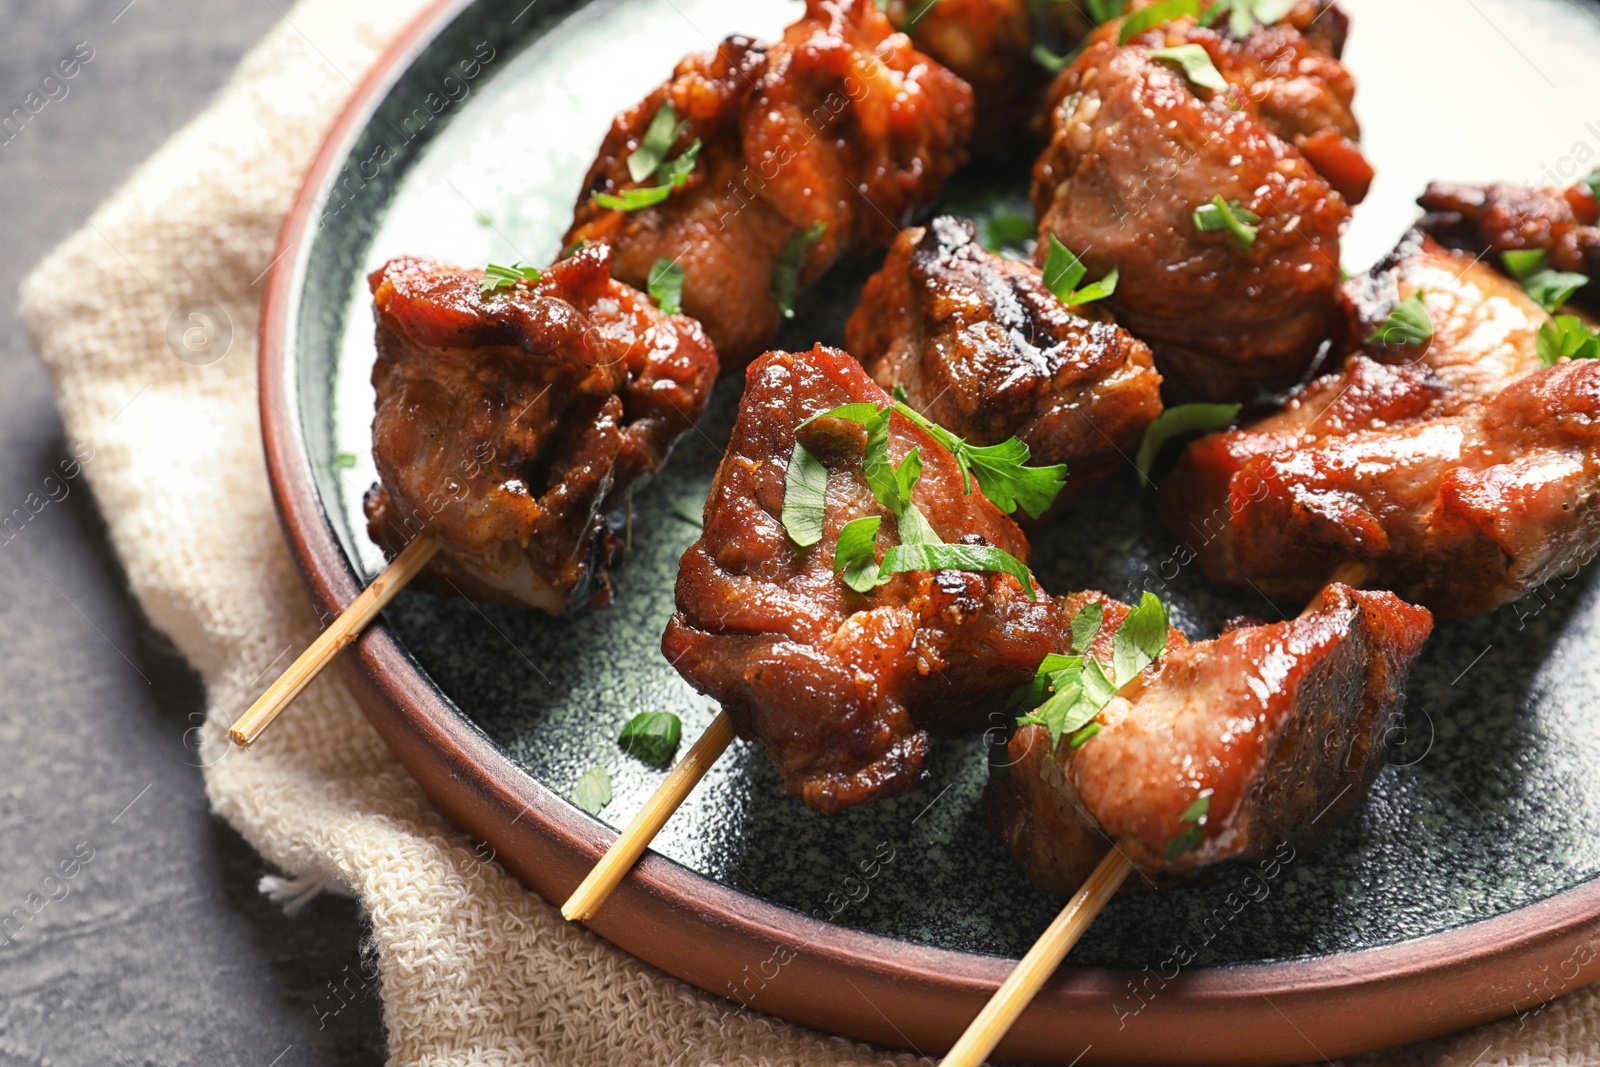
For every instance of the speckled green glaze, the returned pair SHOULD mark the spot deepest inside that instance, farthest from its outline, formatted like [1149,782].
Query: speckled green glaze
[1493,798]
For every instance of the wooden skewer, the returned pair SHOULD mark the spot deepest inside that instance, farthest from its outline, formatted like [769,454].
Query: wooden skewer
[1040,963]
[345,629]
[1046,955]
[631,843]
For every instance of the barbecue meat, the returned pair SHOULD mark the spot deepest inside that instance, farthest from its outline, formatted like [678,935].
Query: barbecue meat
[983,348]
[841,686]
[1463,471]
[825,142]
[508,423]
[1492,219]
[1137,148]
[1280,725]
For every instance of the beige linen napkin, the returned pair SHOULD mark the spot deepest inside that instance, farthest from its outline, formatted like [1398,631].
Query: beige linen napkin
[475,969]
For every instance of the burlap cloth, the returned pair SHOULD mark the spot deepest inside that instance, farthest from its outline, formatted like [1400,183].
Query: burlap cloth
[474,968]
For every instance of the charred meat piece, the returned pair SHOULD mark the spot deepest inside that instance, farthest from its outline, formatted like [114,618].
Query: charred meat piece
[1137,149]
[510,421]
[983,348]
[1221,749]
[842,686]
[824,142]
[1463,471]
[1499,218]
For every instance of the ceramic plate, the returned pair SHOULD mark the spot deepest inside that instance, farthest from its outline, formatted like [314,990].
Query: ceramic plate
[1466,887]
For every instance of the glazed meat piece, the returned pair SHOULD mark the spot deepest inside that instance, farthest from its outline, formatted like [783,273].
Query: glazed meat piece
[1462,471]
[1494,219]
[1137,149]
[825,142]
[983,348]
[1279,726]
[842,686]
[509,422]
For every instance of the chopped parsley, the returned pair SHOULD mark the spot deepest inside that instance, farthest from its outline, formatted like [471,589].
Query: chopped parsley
[1245,15]
[1068,692]
[791,264]
[1196,814]
[593,790]
[1049,60]
[1548,288]
[1063,271]
[1174,422]
[652,736]
[1227,215]
[675,172]
[805,495]
[666,285]
[1566,337]
[1006,231]
[1106,10]
[1195,62]
[499,276]
[1001,469]
[344,461]
[855,560]
[1409,324]
[664,130]
[1148,18]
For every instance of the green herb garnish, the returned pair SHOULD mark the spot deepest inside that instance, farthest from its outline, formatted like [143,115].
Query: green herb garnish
[855,559]
[1197,813]
[1592,180]
[1049,60]
[1106,10]
[1063,271]
[805,496]
[1245,15]
[676,174]
[1548,288]
[1007,230]
[1155,15]
[664,130]
[1140,639]
[666,285]
[690,512]
[1174,422]
[498,276]
[1227,215]
[344,461]
[1566,337]
[1001,469]
[791,264]
[1086,627]
[1195,62]
[1409,324]
[593,790]
[652,736]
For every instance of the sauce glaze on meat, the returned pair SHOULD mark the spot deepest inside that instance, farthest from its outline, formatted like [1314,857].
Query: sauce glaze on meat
[508,423]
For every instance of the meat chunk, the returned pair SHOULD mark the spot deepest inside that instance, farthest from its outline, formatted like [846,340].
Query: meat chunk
[1137,148]
[1464,472]
[1492,219]
[983,348]
[842,686]
[509,422]
[822,143]
[1267,734]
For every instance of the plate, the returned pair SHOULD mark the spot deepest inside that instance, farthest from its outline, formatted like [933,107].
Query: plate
[1468,886]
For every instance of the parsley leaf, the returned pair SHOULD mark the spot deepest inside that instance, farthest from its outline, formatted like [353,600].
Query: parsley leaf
[652,736]
[1227,215]
[854,559]
[1566,337]
[666,285]
[791,263]
[1174,422]
[1155,15]
[344,461]
[1195,62]
[805,495]
[1140,638]
[1000,469]
[1083,735]
[690,512]
[1007,230]
[1409,324]
[676,174]
[1106,10]
[1063,271]
[1548,288]
[1592,180]
[941,557]
[652,151]
[593,790]
[1198,813]
[1245,15]
[498,276]
[1049,60]
[1086,627]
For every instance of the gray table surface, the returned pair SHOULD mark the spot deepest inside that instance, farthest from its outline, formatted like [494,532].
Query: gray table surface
[162,951]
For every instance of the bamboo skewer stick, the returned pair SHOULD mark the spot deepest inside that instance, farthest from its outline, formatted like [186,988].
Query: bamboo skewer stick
[340,633]
[1040,963]
[1018,991]
[631,843]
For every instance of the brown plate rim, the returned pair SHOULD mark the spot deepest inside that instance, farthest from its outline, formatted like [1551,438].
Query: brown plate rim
[830,977]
